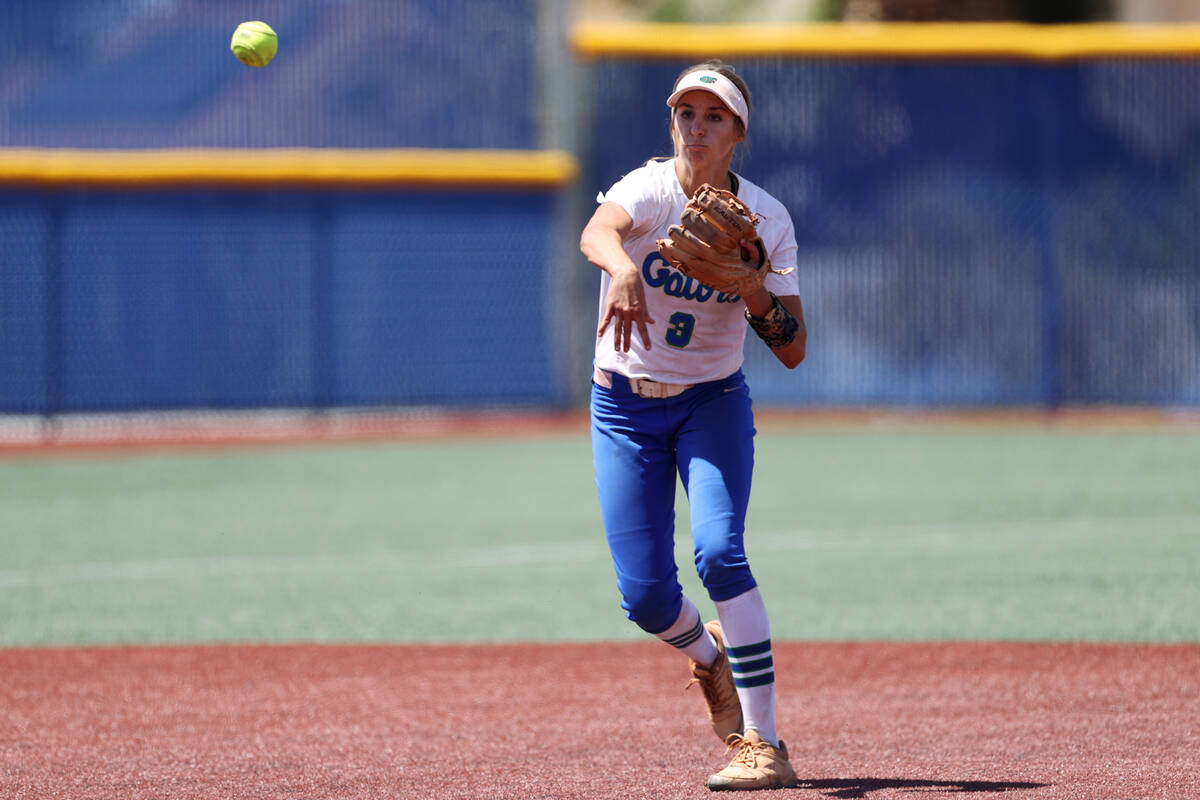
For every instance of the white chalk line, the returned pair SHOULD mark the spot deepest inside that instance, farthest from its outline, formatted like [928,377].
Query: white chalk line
[942,536]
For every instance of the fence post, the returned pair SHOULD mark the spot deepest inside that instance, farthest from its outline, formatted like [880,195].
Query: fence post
[52,401]
[323,376]
[1050,171]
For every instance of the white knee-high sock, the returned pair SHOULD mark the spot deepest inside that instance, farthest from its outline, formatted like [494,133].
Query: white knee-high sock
[688,634]
[747,633]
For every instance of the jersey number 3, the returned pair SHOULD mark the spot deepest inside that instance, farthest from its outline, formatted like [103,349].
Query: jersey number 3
[680,331]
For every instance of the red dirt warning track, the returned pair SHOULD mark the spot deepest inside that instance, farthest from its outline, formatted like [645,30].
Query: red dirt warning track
[326,722]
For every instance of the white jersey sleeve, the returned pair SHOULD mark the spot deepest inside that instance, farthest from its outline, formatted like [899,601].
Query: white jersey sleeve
[778,235]
[642,198]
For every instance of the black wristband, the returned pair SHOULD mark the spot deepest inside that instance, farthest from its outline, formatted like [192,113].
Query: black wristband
[777,327]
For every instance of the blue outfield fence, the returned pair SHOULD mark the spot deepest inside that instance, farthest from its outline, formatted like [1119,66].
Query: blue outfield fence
[113,302]
[432,286]
[986,215]
[971,232]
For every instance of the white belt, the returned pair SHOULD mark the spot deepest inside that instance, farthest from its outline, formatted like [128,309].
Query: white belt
[642,387]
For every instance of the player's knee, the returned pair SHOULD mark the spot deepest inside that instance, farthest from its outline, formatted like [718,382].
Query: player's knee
[653,608]
[724,574]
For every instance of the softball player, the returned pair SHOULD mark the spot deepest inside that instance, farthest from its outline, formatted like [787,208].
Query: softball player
[668,397]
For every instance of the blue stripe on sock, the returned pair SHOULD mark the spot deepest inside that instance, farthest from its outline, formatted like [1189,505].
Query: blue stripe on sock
[684,639]
[746,667]
[757,680]
[747,650]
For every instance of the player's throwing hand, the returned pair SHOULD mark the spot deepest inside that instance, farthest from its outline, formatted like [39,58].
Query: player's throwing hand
[625,309]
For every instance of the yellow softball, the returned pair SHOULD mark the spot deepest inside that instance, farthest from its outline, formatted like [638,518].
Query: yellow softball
[254,43]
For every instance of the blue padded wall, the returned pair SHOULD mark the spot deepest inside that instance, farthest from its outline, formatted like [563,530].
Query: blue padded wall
[970,233]
[243,300]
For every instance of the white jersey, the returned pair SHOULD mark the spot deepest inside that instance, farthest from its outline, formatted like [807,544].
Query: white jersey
[698,333]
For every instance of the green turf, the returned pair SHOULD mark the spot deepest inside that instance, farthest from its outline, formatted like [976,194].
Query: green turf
[958,534]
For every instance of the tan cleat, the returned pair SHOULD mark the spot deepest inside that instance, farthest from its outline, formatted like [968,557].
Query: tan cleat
[716,681]
[755,765]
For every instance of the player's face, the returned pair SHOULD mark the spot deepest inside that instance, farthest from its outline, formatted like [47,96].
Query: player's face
[705,131]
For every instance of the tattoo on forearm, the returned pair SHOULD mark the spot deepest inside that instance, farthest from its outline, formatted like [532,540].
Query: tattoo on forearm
[777,327]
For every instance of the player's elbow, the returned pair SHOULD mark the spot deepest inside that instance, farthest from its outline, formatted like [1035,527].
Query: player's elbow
[791,360]
[585,242]
[792,355]
[591,243]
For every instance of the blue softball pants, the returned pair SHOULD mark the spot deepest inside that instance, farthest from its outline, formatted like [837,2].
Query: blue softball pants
[706,435]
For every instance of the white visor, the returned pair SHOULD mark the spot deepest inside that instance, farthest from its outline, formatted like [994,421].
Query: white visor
[709,81]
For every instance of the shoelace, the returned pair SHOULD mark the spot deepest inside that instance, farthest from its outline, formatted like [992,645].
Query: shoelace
[711,688]
[747,751]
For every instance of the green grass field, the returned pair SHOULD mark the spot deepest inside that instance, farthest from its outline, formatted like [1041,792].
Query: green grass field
[954,533]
